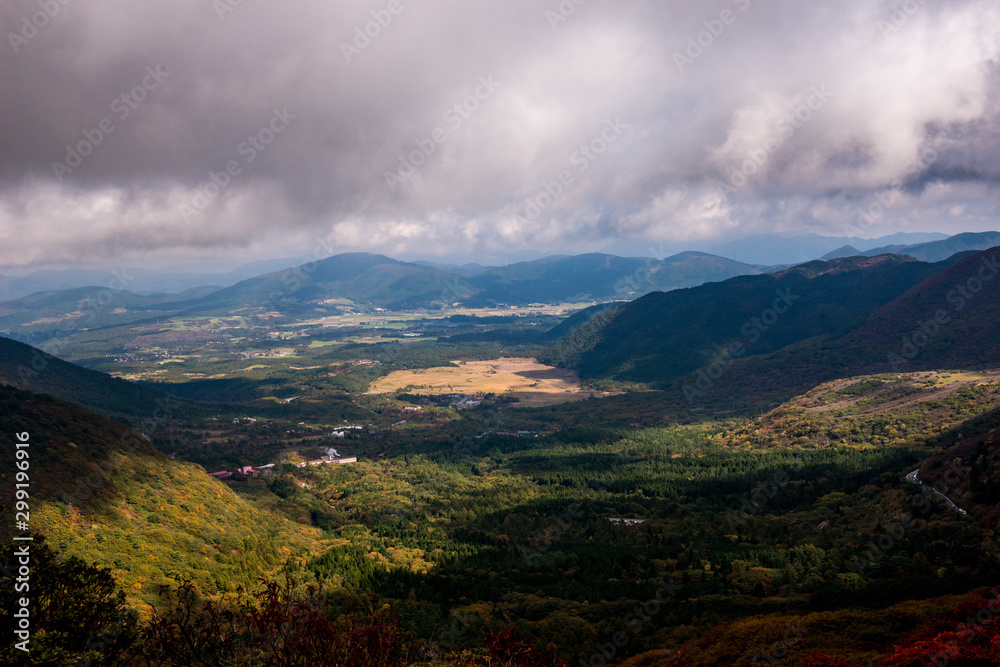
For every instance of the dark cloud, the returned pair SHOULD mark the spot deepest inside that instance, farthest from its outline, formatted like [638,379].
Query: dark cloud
[461,126]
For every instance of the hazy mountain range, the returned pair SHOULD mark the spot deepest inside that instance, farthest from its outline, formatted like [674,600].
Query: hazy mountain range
[375,281]
[761,250]
[934,251]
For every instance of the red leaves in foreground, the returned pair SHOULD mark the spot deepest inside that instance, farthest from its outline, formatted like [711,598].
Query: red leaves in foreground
[274,626]
[505,650]
[820,659]
[949,648]
[968,636]
[280,627]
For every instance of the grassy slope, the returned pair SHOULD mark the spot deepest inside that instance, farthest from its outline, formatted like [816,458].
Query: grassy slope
[100,492]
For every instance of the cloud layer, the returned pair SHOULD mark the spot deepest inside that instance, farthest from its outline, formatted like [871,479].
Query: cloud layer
[196,128]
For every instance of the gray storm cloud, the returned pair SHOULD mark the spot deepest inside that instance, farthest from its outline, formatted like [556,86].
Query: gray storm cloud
[201,127]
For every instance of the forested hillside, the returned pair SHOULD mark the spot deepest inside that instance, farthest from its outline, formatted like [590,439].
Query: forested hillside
[99,491]
[663,336]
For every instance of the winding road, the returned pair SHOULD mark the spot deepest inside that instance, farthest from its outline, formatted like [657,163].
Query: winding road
[913,477]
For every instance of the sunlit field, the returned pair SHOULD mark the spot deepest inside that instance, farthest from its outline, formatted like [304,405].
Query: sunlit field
[531,382]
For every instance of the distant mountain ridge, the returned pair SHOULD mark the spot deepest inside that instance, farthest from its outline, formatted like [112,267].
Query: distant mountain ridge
[944,321]
[854,316]
[375,281]
[371,281]
[660,338]
[136,280]
[932,251]
[761,249]
[774,249]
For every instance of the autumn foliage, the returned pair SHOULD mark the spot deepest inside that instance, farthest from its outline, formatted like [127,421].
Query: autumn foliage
[967,637]
[273,626]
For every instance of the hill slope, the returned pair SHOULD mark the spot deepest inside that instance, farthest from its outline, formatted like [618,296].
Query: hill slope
[87,308]
[600,276]
[662,337]
[32,369]
[362,277]
[948,320]
[101,492]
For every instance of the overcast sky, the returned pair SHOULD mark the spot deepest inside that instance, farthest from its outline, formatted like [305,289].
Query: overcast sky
[433,128]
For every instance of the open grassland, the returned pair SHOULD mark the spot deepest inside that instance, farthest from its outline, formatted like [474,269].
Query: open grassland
[872,411]
[531,382]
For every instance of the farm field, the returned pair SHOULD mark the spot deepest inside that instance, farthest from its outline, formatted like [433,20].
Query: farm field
[531,382]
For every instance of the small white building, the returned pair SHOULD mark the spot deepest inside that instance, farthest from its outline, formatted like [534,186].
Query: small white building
[620,520]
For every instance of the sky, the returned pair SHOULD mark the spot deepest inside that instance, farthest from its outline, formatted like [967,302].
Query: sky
[183,130]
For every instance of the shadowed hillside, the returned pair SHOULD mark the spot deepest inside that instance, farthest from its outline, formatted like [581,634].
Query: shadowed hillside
[662,337]
[32,369]
[948,320]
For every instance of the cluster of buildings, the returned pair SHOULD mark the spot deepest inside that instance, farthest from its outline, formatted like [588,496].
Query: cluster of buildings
[328,459]
[343,430]
[464,401]
[260,471]
[454,400]
[621,520]
[266,470]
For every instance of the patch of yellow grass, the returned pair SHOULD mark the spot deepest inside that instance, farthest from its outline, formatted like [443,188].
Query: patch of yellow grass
[533,383]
